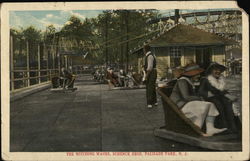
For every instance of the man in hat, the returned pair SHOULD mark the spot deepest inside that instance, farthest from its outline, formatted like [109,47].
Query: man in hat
[150,78]
[212,89]
[193,106]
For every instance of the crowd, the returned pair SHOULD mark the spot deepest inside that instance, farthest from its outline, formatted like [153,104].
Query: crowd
[117,77]
[200,94]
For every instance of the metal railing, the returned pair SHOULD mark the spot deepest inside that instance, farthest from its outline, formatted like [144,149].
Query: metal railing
[21,78]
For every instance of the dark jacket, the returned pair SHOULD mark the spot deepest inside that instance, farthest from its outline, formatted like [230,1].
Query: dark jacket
[226,117]
[205,87]
[146,62]
[183,92]
[66,74]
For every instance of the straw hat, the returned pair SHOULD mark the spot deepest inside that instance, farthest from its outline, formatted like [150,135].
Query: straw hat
[215,65]
[192,70]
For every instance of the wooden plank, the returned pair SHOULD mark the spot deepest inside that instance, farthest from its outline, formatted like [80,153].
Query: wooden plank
[202,142]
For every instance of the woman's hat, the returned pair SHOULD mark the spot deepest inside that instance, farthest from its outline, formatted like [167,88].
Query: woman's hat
[177,72]
[192,70]
[215,65]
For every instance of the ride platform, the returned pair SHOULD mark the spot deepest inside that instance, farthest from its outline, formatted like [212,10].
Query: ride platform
[181,129]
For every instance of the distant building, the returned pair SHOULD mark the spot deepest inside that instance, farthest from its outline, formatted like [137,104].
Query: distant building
[183,44]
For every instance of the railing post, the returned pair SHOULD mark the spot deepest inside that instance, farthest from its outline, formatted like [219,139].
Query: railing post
[59,63]
[47,62]
[66,61]
[49,74]
[39,64]
[71,62]
[58,57]
[28,64]
[12,64]
[53,58]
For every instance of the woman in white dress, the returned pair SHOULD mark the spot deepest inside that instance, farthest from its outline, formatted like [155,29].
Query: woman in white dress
[193,106]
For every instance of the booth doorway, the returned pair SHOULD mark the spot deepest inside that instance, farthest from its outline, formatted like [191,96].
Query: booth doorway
[203,57]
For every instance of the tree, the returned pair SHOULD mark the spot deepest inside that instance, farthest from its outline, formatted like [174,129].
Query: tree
[31,34]
[120,29]
[49,35]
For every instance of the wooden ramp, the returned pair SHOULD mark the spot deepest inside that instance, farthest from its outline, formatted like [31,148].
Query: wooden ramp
[220,142]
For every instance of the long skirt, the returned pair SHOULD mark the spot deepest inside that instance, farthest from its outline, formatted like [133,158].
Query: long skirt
[197,111]
[226,118]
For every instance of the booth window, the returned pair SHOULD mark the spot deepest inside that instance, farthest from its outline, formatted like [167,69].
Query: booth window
[175,56]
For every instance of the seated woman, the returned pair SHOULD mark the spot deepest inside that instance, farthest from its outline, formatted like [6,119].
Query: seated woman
[112,77]
[212,89]
[194,108]
[122,77]
[68,78]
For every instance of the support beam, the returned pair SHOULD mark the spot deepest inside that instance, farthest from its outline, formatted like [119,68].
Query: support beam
[58,55]
[53,58]
[127,38]
[66,61]
[28,63]
[12,64]
[186,15]
[106,39]
[45,52]
[39,63]
[176,16]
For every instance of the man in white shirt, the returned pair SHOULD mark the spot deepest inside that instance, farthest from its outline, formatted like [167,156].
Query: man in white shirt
[151,75]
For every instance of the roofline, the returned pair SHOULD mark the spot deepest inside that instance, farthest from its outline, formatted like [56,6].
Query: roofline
[159,35]
[193,45]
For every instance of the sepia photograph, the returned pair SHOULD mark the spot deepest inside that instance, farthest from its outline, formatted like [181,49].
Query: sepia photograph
[95,81]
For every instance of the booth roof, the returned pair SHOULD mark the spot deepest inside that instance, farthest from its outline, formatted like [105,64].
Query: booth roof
[187,35]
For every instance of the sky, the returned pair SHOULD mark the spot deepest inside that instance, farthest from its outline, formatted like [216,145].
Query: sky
[41,19]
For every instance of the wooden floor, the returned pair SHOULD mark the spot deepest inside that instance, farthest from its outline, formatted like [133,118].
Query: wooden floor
[92,118]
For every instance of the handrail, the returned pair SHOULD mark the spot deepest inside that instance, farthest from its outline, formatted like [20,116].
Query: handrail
[26,77]
[34,70]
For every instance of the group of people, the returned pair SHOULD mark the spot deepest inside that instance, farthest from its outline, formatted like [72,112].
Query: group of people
[112,78]
[210,103]
[65,80]
[209,106]
[98,75]
[124,79]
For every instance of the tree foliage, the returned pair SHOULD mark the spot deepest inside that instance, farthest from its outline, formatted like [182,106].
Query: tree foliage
[107,37]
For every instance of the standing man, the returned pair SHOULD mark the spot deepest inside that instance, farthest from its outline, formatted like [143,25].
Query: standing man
[150,78]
